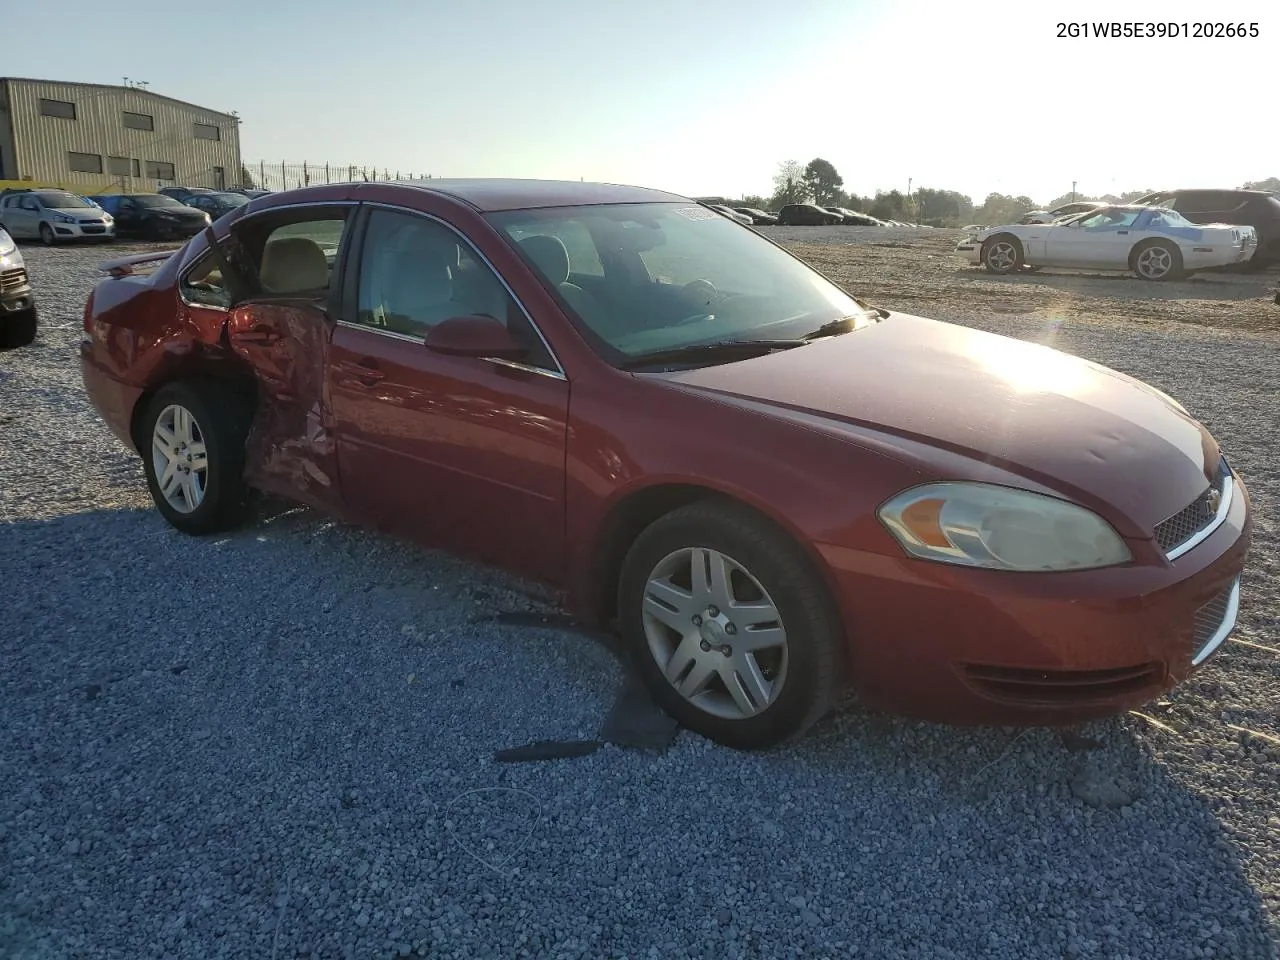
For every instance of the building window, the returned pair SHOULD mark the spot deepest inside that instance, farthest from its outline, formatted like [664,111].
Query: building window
[206,131]
[137,167]
[119,166]
[159,170]
[219,178]
[57,108]
[138,121]
[84,162]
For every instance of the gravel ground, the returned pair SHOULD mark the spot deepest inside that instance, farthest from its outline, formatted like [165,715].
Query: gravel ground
[280,743]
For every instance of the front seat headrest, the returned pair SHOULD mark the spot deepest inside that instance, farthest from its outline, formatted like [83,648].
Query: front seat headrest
[549,255]
[293,265]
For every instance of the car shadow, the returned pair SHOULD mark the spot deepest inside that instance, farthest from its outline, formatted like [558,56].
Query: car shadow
[1217,286]
[339,690]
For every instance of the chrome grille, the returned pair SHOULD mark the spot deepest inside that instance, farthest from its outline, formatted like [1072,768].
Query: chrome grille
[13,279]
[1214,622]
[1190,520]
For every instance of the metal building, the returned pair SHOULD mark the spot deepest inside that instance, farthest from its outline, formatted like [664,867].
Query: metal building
[94,137]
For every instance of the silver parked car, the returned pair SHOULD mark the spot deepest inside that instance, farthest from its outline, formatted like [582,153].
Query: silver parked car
[54,216]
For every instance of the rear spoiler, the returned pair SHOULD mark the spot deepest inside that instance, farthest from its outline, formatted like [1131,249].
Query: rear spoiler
[128,266]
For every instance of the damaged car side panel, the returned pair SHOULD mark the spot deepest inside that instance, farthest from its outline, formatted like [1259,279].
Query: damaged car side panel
[290,449]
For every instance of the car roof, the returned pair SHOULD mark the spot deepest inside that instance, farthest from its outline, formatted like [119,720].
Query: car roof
[490,195]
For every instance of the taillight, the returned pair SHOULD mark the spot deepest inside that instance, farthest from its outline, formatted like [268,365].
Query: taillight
[88,311]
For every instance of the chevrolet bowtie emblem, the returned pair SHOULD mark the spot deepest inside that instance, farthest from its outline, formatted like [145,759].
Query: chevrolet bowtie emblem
[1214,500]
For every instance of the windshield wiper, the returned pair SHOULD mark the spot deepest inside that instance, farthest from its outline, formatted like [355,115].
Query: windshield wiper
[848,324]
[718,350]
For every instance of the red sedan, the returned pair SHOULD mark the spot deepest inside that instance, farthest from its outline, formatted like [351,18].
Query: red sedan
[774,489]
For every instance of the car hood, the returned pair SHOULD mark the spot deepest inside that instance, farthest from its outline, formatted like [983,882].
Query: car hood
[1078,428]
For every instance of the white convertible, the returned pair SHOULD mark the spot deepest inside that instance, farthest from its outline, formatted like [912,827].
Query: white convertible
[1153,242]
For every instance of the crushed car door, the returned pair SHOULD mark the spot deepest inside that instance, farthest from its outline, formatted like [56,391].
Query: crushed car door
[281,326]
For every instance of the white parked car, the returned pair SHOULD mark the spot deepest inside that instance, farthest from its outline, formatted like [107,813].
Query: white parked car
[1066,210]
[54,216]
[1154,243]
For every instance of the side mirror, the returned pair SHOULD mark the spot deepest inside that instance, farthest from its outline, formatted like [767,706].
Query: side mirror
[474,336]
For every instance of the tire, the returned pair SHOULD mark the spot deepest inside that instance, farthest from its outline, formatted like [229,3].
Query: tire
[1156,260]
[47,236]
[220,419]
[1002,254]
[17,330]
[803,675]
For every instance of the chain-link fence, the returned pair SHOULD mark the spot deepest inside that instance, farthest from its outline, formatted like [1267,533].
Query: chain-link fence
[282,175]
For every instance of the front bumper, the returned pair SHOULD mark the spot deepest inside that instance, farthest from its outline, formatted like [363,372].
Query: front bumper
[970,250]
[960,645]
[83,230]
[16,295]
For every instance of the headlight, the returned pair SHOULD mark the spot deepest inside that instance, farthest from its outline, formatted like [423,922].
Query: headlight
[7,246]
[63,218]
[107,218]
[1000,528]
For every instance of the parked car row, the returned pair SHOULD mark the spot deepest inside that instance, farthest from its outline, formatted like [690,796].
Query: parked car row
[811,215]
[1154,242]
[56,216]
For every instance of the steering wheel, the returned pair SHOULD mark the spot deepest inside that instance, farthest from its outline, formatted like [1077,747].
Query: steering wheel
[702,291]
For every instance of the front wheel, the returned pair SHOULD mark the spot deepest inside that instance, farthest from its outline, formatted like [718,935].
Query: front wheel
[47,236]
[192,445]
[730,626]
[1002,254]
[1156,260]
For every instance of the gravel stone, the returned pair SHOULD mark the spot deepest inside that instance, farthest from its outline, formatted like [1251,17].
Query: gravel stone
[291,793]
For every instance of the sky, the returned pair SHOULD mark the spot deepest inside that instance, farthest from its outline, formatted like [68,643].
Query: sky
[703,97]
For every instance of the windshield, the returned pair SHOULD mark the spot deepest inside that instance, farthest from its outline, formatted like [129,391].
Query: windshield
[60,201]
[156,200]
[230,199]
[662,276]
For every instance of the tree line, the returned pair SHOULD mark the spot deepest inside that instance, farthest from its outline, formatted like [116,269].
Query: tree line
[819,182]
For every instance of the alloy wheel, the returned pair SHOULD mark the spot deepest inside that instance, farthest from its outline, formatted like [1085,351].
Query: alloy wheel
[1153,263]
[180,458]
[715,633]
[1001,256]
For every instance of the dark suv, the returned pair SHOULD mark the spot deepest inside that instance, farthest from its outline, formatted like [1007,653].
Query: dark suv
[806,215]
[1252,208]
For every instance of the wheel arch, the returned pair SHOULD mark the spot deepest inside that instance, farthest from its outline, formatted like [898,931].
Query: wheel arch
[636,510]
[223,370]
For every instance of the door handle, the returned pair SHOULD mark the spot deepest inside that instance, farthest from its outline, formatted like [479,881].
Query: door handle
[366,371]
[1123,233]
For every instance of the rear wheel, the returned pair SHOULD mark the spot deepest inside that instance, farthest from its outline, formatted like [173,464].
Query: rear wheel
[1156,260]
[730,626]
[192,445]
[17,330]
